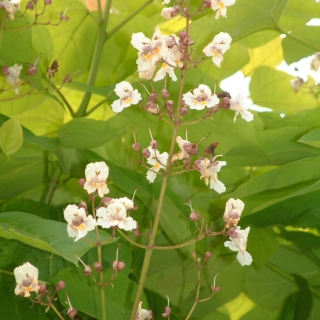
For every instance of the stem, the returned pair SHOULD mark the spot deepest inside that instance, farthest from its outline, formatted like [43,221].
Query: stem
[96,106]
[53,182]
[96,58]
[197,296]
[126,20]
[45,175]
[57,312]
[3,19]
[103,295]
[150,246]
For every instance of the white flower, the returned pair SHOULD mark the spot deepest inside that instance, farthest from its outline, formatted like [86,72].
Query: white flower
[27,279]
[96,177]
[217,48]
[209,171]
[165,68]
[78,222]
[158,161]
[237,105]
[166,2]
[202,97]
[182,154]
[221,7]
[142,314]
[127,96]
[233,212]
[12,76]
[315,63]
[116,215]
[238,243]
[173,44]
[150,52]
[168,13]
[10,7]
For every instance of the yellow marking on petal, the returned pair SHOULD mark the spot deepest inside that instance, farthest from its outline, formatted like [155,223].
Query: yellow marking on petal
[164,65]
[222,5]
[215,53]
[149,56]
[156,50]
[203,102]
[128,100]
[195,102]
[157,166]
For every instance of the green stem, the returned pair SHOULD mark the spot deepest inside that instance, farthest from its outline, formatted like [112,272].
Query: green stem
[57,312]
[102,25]
[126,20]
[150,246]
[196,300]
[3,19]
[45,175]
[53,182]
[99,247]
[96,106]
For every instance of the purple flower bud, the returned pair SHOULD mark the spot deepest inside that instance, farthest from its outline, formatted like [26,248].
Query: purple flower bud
[82,182]
[32,70]
[30,5]
[225,103]
[63,17]
[121,265]
[184,111]
[42,288]
[136,232]
[194,216]
[165,94]
[87,270]
[153,97]
[196,164]
[233,233]
[5,70]
[60,285]
[136,146]
[47,2]
[146,153]
[152,108]
[175,11]
[67,78]
[167,309]
[106,200]
[207,255]
[154,144]
[98,266]
[182,35]
[72,313]
[207,4]
[35,1]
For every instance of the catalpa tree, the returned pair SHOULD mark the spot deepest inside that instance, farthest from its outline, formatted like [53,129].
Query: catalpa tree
[160,159]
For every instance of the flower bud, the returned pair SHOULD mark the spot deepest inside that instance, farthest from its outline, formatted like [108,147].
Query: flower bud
[194,216]
[106,200]
[233,233]
[87,270]
[47,2]
[136,146]
[83,205]
[72,313]
[194,255]
[225,103]
[67,78]
[210,149]
[207,255]
[35,1]
[42,288]
[165,94]
[154,144]
[81,182]
[136,232]
[98,266]
[196,164]
[224,94]
[153,97]
[184,111]
[63,17]
[30,5]
[5,70]
[146,153]
[60,285]
[53,69]
[182,35]
[32,70]
[213,288]
[207,4]
[167,309]
[117,266]
[152,108]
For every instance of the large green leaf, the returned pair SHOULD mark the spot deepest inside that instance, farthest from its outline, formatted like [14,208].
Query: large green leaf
[43,234]
[83,133]
[271,88]
[11,136]
[312,138]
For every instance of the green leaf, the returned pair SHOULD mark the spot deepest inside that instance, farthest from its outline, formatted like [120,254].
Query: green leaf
[312,138]
[83,133]
[11,136]
[303,240]
[101,91]
[271,88]
[300,43]
[43,234]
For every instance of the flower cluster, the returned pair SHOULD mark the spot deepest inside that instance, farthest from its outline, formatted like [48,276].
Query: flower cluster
[112,214]
[238,237]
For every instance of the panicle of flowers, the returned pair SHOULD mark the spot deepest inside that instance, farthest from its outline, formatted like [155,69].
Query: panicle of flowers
[78,222]
[127,96]
[221,7]
[218,47]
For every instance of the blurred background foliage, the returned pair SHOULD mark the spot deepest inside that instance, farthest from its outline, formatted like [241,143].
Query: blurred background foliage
[273,163]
